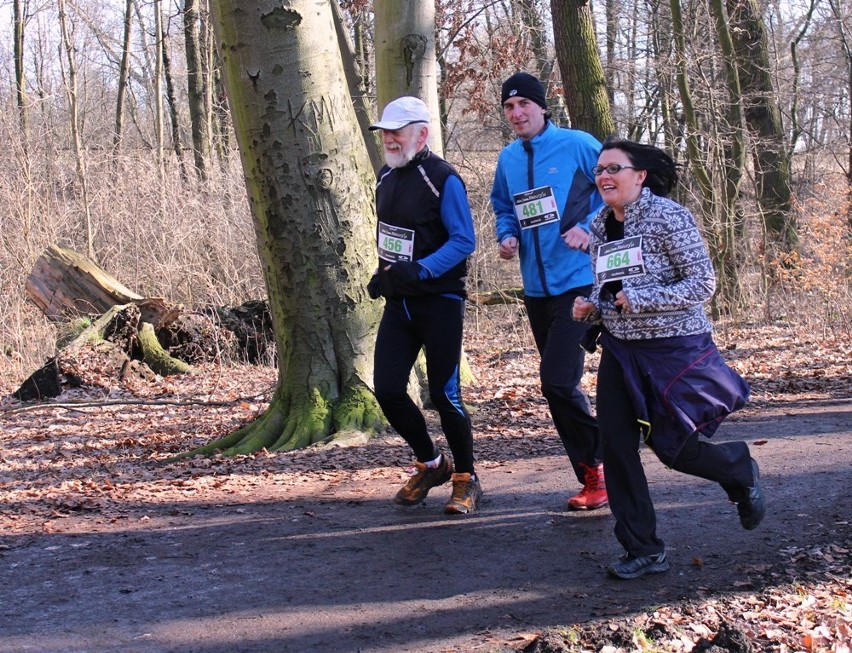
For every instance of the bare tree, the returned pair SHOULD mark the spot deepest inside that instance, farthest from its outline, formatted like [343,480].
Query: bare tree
[197,91]
[70,79]
[159,119]
[846,45]
[121,90]
[19,17]
[171,100]
[763,115]
[582,71]
[353,63]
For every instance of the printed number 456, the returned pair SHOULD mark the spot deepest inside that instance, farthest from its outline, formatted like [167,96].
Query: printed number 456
[392,245]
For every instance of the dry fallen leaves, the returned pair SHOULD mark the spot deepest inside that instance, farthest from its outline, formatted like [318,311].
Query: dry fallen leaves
[98,452]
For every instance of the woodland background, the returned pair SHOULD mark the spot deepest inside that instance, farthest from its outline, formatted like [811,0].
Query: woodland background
[117,143]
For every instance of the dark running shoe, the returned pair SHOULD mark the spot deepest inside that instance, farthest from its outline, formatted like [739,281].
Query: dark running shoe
[466,495]
[629,566]
[752,507]
[423,480]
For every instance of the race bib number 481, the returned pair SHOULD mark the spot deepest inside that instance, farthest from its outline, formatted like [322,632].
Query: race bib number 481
[536,207]
[620,259]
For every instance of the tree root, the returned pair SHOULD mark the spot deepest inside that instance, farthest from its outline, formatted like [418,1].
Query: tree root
[157,358]
[286,425]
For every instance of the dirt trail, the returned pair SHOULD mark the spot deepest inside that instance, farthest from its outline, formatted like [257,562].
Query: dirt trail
[330,565]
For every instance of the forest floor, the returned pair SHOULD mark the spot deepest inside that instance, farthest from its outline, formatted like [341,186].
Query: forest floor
[106,547]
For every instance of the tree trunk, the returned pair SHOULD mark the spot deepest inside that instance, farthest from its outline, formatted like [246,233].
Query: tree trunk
[121,90]
[76,137]
[196,91]
[612,10]
[763,115]
[731,233]
[159,119]
[310,187]
[177,141]
[405,58]
[582,71]
[19,18]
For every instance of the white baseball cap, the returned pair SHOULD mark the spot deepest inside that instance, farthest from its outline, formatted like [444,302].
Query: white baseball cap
[401,112]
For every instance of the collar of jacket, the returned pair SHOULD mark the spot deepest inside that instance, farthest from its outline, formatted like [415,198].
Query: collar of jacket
[640,203]
[548,125]
[417,159]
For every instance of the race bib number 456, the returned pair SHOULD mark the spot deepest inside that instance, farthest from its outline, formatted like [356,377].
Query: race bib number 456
[395,243]
[620,259]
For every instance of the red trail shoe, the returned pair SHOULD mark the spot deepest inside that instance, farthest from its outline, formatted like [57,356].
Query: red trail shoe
[593,494]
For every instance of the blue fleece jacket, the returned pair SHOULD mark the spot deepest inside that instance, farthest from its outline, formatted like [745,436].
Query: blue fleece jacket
[563,160]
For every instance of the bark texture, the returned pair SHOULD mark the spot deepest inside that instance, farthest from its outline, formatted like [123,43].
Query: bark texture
[310,186]
[582,71]
[406,62]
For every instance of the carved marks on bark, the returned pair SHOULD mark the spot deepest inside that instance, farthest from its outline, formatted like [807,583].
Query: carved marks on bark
[281,18]
[413,50]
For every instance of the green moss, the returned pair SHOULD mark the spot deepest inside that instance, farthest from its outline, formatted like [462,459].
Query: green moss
[70,331]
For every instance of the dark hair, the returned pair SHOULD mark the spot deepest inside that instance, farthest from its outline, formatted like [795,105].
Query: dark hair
[661,168]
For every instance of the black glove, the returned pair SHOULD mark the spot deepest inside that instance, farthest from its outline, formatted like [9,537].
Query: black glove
[589,341]
[373,287]
[405,271]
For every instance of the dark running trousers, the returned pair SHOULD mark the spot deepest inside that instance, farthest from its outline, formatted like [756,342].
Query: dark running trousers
[557,336]
[434,323]
[726,463]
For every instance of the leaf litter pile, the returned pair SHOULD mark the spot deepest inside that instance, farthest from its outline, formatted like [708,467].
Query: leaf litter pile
[95,456]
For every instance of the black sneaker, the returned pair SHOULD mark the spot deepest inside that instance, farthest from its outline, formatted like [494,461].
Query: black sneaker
[752,507]
[629,566]
[423,480]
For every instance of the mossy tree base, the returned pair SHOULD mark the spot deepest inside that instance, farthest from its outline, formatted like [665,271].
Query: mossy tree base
[287,425]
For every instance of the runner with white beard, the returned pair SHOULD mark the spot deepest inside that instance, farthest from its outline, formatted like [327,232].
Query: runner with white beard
[425,234]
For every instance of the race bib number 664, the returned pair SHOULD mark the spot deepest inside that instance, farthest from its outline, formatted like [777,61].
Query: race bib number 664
[620,259]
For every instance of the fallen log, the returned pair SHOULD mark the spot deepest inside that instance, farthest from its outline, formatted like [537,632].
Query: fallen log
[499,296]
[131,335]
[65,285]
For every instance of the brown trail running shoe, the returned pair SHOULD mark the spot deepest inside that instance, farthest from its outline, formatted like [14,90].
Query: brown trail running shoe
[423,480]
[466,494]
[593,495]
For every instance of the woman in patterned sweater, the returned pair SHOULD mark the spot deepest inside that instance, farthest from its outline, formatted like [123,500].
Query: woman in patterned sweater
[660,375]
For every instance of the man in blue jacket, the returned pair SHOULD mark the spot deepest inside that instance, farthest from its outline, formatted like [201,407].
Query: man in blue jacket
[544,197]
[425,234]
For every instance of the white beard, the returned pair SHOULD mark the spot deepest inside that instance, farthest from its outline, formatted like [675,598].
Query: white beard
[400,158]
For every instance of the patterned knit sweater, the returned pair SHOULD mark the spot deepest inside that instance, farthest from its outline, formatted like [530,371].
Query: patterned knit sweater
[668,300]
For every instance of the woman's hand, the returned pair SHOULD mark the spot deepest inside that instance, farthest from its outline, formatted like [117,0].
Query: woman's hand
[621,302]
[577,238]
[582,308]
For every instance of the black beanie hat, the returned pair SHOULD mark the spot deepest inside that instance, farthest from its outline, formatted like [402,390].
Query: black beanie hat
[524,85]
